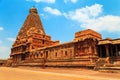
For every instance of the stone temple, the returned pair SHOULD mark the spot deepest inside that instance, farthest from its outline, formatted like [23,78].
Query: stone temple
[33,47]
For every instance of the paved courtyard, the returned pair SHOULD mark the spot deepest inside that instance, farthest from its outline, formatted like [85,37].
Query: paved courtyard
[7,73]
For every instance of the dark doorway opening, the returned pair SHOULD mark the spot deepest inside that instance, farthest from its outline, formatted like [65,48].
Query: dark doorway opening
[113,51]
[23,57]
[101,51]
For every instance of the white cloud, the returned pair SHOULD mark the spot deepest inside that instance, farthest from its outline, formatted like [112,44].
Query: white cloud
[105,23]
[46,1]
[0,42]
[65,1]
[90,17]
[4,52]
[84,14]
[73,1]
[11,39]
[52,11]
[1,28]
[42,14]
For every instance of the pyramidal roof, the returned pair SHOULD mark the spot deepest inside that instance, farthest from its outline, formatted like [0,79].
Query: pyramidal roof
[32,24]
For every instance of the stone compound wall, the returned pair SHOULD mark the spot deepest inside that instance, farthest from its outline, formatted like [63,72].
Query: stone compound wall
[63,55]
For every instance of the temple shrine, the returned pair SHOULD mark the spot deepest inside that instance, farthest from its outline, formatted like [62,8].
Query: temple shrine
[33,47]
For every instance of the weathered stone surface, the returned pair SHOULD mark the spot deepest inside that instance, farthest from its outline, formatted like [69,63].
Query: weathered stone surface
[34,47]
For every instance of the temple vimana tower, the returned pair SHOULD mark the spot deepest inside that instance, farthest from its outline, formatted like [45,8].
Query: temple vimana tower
[33,47]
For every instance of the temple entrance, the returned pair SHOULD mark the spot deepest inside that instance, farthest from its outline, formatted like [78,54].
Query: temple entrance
[102,51]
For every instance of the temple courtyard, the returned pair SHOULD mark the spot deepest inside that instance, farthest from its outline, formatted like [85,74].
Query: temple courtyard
[27,73]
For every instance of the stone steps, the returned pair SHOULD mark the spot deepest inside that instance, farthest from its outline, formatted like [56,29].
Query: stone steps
[110,69]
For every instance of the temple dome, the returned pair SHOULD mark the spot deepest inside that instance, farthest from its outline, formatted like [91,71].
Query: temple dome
[33,10]
[108,38]
[32,24]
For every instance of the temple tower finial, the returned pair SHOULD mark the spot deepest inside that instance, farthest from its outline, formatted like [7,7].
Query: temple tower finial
[33,10]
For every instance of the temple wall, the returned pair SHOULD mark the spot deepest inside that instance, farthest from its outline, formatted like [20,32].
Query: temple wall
[64,55]
[56,52]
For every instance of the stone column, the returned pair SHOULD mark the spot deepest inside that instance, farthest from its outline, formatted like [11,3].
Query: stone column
[20,57]
[111,51]
[90,50]
[116,50]
[30,47]
[16,58]
[95,50]
[100,51]
[107,50]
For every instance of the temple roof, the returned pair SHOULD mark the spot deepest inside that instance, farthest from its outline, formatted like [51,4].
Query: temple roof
[32,24]
[109,41]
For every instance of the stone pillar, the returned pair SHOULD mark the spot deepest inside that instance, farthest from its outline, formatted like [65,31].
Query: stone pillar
[100,51]
[107,50]
[95,48]
[30,48]
[20,57]
[16,58]
[116,48]
[111,51]
[90,50]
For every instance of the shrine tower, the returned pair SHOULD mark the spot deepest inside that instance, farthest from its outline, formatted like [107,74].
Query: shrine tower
[31,36]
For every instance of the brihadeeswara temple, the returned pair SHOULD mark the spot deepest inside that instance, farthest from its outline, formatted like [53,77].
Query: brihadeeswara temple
[33,47]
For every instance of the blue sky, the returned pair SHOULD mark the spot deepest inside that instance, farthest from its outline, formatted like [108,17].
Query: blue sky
[60,18]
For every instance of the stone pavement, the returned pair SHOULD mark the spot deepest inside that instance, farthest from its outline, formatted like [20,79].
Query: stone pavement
[7,73]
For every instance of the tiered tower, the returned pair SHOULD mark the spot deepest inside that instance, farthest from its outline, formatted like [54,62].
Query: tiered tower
[31,36]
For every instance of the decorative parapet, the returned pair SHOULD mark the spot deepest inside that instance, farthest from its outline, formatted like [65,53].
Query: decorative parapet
[110,41]
[81,35]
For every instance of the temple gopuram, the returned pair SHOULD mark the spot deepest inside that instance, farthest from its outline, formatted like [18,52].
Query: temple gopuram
[33,47]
